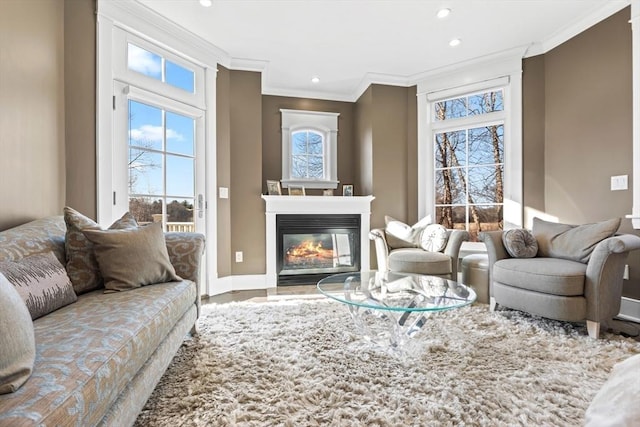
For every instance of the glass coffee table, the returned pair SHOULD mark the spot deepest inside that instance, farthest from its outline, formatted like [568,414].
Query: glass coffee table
[389,308]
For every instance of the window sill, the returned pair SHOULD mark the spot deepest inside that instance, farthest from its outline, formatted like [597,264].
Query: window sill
[328,184]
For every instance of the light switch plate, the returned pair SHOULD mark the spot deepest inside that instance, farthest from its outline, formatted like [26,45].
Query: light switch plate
[619,182]
[224,192]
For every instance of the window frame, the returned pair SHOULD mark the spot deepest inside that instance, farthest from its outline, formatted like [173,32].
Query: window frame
[500,71]
[324,123]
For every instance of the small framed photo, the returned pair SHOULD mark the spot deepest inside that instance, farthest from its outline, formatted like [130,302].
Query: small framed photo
[328,192]
[273,188]
[347,190]
[296,190]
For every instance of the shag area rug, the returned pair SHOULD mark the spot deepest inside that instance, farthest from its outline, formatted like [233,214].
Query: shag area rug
[299,363]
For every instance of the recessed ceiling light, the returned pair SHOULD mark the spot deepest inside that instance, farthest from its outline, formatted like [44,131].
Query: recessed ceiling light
[206,3]
[455,42]
[315,79]
[443,13]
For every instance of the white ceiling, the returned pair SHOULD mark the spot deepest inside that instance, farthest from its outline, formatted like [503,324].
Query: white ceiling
[350,44]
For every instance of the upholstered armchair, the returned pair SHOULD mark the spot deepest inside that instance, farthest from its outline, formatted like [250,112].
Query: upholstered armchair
[431,250]
[559,271]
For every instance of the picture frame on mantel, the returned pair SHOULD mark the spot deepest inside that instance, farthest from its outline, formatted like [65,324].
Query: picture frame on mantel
[347,190]
[296,190]
[273,188]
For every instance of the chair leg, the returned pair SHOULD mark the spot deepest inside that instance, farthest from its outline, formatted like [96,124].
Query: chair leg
[593,328]
[492,304]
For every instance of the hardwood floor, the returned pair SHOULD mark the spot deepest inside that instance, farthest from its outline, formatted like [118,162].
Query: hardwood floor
[264,295]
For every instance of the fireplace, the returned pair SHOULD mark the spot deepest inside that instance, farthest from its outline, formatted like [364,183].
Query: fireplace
[310,247]
[279,208]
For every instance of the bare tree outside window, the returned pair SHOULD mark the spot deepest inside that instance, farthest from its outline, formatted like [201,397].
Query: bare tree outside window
[469,165]
[307,156]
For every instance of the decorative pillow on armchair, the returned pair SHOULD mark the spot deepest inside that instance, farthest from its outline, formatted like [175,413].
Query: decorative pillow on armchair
[573,242]
[520,243]
[434,238]
[401,235]
[132,258]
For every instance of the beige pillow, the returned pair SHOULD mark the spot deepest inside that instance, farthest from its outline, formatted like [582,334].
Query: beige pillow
[18,349]
[401,235]
[132,258]
[41,282]
[573,242]
[82,267]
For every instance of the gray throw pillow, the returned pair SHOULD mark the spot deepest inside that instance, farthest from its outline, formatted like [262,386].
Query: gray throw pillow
[520,243]
[573,242]
[132,258]
[18,349]
[82,266]
[42,282]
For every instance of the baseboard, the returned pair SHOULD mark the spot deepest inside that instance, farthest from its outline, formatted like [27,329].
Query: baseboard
[243,282]
[630,310]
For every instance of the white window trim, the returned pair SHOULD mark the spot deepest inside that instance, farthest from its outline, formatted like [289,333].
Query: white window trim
[322,122]
[503,70]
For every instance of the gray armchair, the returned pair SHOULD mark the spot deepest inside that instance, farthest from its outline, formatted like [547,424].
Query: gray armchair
[417,260]
[568,290]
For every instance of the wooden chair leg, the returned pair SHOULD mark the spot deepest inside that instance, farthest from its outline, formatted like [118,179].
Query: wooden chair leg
[492,304]
[593,328]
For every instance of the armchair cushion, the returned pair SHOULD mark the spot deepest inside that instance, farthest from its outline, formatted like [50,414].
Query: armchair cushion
[546,275]
[416,260]
[400,235]
[573,242]
[520,243]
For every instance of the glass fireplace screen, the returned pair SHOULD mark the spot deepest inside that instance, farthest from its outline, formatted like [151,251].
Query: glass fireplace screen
[318,253]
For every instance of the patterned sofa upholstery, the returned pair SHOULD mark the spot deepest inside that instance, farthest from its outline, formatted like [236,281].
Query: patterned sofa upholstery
[99,359]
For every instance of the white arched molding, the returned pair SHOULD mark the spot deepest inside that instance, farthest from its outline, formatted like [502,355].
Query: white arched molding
[500,70]
[324,123]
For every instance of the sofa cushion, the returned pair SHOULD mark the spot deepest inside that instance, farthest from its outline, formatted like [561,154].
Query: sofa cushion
[42,282]
[415,260]
[547,275]
[400,235]
[132,258]
[574,242]
[89,351]
[82,266]
[18,349]
[520,243]
[434,238]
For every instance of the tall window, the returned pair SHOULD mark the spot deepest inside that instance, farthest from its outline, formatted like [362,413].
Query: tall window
[468,133]
[309,148]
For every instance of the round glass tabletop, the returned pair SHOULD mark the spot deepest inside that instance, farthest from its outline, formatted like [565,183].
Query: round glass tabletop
[393,291]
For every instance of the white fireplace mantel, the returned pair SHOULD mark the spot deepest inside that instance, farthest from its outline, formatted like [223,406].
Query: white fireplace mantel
[293,205]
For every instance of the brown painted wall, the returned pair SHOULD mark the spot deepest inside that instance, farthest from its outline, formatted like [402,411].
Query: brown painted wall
[363,149]
[272,136]
[80,101]
[588,128]
[247,208]
[533,136]
[223,169]
[32,156]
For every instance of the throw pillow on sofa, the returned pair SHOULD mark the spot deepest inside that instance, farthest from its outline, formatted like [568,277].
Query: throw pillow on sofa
[41,281]
[18,349]
[82,267]
[434,238]
[573,242]
[520,243]
[401,235]
[132,258]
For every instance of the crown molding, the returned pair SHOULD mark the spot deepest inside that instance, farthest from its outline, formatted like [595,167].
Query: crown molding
[573,29]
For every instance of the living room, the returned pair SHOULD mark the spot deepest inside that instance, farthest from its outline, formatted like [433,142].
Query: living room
[577,132]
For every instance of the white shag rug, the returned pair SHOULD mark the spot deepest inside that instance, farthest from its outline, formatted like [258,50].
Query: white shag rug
[299,363]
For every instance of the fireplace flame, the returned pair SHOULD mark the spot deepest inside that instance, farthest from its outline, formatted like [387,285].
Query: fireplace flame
[309,249]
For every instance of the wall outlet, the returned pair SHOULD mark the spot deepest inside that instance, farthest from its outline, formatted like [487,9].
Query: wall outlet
[239,256]
[625,276]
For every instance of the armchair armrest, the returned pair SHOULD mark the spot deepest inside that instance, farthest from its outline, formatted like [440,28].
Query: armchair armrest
[382,248]
[495,251]
[456,237]
[185,253]
[603,282]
